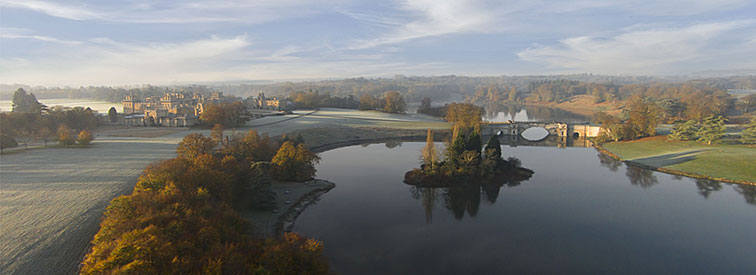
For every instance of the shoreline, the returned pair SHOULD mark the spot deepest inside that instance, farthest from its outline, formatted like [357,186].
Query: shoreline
[609,153]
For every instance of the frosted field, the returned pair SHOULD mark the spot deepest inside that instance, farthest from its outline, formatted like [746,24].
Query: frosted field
[52,200]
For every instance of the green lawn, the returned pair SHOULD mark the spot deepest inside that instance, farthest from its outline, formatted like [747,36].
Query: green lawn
[734,162]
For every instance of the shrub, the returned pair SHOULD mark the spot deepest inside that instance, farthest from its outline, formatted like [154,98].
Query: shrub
[294,163]
[64,136]
[84,138]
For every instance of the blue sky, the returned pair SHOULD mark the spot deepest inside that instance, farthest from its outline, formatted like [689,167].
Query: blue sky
[44,42]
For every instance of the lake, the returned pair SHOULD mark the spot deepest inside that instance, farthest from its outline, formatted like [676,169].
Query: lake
[502,113]
[579,213]
[99,106]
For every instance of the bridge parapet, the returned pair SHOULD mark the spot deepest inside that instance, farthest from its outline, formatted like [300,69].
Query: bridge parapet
[561,129]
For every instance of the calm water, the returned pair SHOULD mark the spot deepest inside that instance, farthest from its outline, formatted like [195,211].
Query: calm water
[99,106]
[502,113]
[579,213]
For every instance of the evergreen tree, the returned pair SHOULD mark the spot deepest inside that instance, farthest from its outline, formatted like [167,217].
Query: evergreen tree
[748,135]
[493,148]
[684,131]
[712,129]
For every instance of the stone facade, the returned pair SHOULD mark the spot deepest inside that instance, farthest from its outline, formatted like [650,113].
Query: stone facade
[265,103]
[172,109]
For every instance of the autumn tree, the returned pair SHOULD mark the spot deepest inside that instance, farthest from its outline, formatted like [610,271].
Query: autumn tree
[195,144]
[85,137]
[643,116]
[294,163]
[394,102]
[369,102]
[712,129]
[512,94]
[430,154]
[217,134]
[64,136]
[227,114]
[748,103]
[464,115]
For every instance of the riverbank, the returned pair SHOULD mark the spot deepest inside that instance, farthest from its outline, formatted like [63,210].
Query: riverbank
[721,162]
[291,198]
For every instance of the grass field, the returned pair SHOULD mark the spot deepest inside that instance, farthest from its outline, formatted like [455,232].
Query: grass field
[52,199]
[720,161]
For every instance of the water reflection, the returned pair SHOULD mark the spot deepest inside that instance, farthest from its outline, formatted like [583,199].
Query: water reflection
[609,162]
[393,144]
[501,113]
[549,141]
[748,192]
[641,177]
[705,187]
[646,178]
[458,200]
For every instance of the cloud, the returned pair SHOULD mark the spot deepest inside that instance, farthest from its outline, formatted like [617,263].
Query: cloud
[429,18]
[202,11]
[646,50]
[103,61]
[18,33]
[53,9]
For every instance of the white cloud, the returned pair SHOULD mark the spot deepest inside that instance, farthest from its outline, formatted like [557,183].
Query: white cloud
[103,61]
[53,9]
[645,50]
[201,11]
[19,33]
[431,18]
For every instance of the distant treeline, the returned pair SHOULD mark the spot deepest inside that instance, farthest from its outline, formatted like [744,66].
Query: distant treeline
[439,88]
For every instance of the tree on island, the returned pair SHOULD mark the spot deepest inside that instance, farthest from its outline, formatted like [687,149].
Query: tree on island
[463,161]
[684,131]
[748,135]
[430,154]
[712,129]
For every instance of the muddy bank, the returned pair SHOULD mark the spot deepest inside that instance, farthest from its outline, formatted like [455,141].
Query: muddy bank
[291,198]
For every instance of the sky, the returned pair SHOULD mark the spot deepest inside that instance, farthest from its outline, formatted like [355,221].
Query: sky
[94,42]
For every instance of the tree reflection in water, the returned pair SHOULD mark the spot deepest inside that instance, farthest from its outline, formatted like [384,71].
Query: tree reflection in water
[748,192]
[645,178]
[609,162]
[705,187]
[459,199]
[642,177]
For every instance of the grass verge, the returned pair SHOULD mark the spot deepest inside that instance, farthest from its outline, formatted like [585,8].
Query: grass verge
[723,162]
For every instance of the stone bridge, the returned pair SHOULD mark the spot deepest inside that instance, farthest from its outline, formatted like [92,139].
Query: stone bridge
[560,129]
